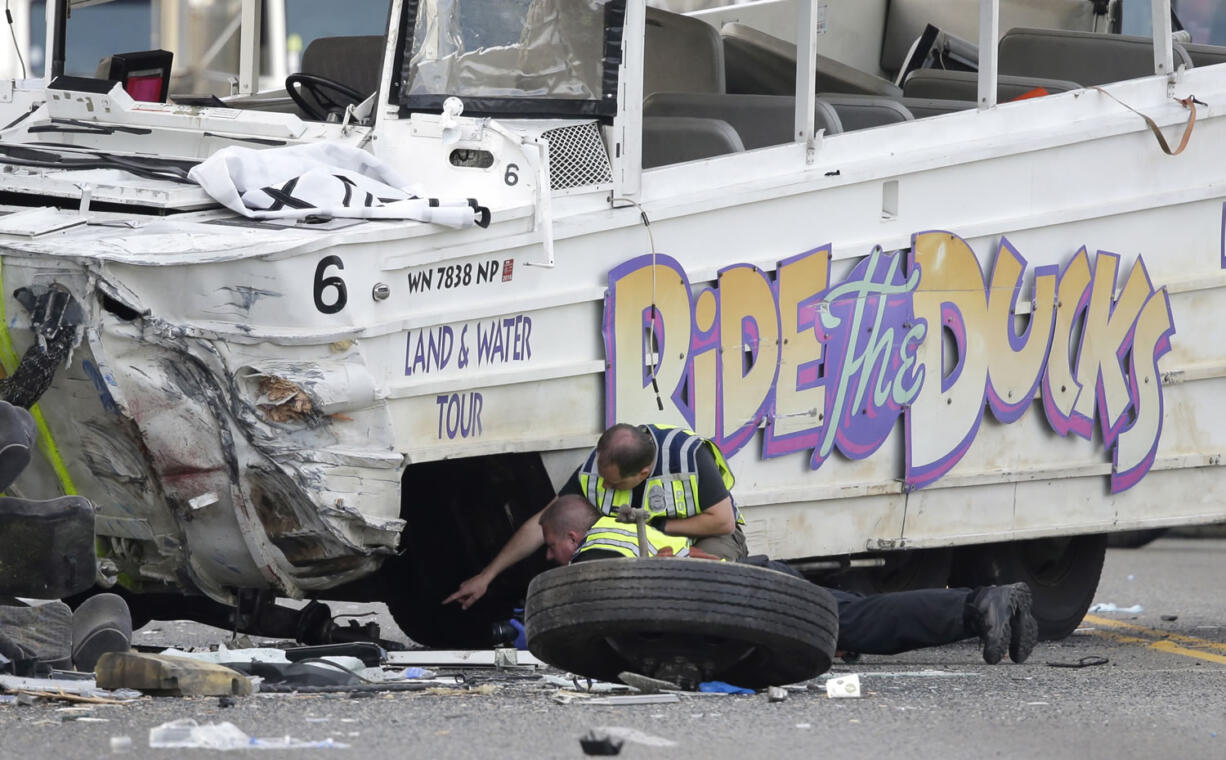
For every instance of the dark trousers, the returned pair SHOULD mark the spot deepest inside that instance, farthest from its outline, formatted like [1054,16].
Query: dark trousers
[893,622]
[901,621]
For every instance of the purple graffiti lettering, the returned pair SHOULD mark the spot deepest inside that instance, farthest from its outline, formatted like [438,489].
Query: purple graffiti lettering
[824,366]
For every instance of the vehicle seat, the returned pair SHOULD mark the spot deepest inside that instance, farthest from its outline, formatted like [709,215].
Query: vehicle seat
[759,120]
[758,63]
[1086,57]
[964,85]
[865,111]
[354,61]
[681,54]
[673,140]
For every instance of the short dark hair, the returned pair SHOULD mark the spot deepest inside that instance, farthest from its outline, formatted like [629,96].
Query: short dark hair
[630,448]
[569,512]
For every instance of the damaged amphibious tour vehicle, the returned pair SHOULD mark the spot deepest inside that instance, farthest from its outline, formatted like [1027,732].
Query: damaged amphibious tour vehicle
[943,280]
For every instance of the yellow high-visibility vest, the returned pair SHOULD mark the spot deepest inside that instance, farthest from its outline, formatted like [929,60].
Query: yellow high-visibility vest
[609,534]
[672,486]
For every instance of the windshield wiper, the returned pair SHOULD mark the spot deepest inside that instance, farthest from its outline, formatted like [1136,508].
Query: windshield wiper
[85,127]
[149,168]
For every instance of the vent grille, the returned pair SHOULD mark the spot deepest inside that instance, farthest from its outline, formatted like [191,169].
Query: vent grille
[577,157]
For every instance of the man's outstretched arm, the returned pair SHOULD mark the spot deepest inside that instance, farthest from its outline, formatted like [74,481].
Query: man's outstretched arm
[523,542]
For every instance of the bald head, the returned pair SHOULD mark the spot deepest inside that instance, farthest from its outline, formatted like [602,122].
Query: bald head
[625,453]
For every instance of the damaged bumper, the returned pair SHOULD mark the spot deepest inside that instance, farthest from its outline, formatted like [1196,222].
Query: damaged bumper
[217,460]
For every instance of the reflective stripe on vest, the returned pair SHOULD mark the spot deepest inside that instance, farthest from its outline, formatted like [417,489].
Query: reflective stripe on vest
[672,486]
[610,535]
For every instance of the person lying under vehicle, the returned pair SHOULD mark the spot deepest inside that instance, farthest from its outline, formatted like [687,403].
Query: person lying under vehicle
[889,623]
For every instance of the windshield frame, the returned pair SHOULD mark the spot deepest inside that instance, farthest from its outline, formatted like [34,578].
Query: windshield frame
[602,109]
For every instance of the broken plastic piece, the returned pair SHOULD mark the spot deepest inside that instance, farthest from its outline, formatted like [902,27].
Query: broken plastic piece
[721,687]
[843,686]
[1109,607]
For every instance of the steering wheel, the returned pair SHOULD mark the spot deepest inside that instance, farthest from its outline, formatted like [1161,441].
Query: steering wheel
[324,94]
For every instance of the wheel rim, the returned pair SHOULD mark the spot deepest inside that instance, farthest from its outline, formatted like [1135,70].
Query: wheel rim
[686,660]
[1050,560]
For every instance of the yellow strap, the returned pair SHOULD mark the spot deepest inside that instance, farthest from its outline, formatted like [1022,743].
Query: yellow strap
[8,363]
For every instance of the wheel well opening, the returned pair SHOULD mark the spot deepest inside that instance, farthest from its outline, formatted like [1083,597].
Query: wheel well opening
[458,514]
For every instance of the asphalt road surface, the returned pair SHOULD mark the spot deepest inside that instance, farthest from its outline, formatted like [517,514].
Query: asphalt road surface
[1160,695]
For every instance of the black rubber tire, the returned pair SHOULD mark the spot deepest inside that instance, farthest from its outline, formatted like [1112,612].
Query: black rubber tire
[1062,574]
[902,571]
[790,625]
[1133,539]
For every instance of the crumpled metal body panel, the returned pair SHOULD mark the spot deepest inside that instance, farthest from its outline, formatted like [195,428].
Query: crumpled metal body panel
[215,465]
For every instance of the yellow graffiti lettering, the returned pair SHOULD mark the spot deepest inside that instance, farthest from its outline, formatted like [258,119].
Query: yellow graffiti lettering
[799,281]
[636,356]
[1060,387]
[1107,326]
[950,296]
[749,346]
[1136,446]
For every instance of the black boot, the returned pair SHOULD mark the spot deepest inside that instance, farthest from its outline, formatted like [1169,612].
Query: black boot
[1000,616]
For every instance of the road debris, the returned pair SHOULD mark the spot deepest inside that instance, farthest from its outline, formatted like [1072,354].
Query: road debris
[186,733]
[589,685]
[635,736]
[776,694]
[69,690]
[597,744]
[634,699]
[843,686]
[1111,607]
[465,658]
[163,675]
[1084,662]
[645,684]
[722,687]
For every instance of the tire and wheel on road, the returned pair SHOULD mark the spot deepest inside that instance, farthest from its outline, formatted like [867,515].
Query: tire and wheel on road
[684,620]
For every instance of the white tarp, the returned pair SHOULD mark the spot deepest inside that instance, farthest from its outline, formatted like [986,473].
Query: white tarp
[323,179]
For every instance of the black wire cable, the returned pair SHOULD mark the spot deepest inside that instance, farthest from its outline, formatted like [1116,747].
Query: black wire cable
[13,31]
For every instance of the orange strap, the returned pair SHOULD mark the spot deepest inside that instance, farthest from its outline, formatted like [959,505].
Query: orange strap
[1189,103]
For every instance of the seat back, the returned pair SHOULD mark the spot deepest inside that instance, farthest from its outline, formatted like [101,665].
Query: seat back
[964,85]
[865,111]
[681,54]
[673,140]
[759,120]
[759,63]
[1086,57]
[353,61]
[922,108]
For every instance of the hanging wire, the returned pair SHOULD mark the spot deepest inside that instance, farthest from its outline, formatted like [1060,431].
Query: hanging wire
[655,344]
[13,31]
